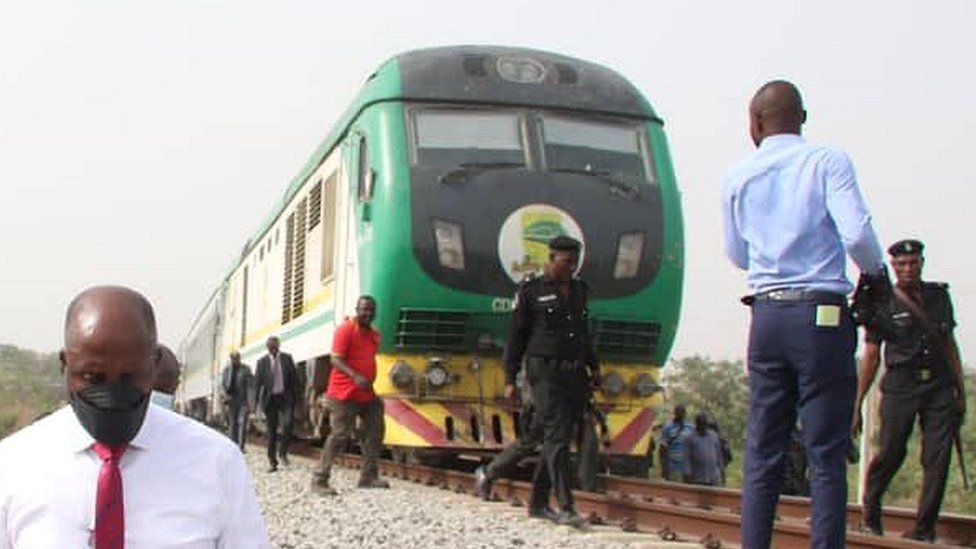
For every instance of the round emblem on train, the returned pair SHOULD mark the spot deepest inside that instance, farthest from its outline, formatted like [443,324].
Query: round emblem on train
[523,244]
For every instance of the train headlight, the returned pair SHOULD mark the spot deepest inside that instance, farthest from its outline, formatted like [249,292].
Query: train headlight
[645,386]
[630,248]
[450,244]
[612,384]
[401,374]
[437,375]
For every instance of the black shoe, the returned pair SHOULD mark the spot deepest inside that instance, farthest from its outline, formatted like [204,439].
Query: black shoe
[568,517]
[321,487]
[919,535]
[542,513]
[273,468]
[482,483]
[873,528]
[374,483]
[284,461]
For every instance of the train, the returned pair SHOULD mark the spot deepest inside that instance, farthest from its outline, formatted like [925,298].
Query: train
[436,193]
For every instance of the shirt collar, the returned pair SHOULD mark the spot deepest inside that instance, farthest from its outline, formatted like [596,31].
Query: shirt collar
[359,327]
[77,439]
[780,140]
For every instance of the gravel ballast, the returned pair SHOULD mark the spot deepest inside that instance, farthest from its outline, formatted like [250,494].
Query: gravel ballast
[406,515]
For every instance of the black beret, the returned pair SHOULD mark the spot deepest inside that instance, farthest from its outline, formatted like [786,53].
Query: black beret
[909,246]
[563,243]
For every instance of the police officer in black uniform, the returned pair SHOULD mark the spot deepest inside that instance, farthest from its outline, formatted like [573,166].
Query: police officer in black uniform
[526,445]
[549,330]
[923,377]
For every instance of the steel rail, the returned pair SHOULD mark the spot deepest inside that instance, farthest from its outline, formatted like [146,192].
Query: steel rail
[681,517]
[959,529]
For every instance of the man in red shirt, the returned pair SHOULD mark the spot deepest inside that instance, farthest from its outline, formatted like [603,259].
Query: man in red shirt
[350,395]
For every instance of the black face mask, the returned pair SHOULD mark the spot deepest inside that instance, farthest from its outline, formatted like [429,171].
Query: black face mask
[112,413]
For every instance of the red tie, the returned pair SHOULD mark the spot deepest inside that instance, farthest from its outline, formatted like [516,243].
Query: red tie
[109,511]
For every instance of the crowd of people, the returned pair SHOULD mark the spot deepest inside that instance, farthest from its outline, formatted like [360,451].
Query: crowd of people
[110,470]
[694,453]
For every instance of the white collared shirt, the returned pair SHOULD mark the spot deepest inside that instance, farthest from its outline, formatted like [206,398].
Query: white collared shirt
[184,486]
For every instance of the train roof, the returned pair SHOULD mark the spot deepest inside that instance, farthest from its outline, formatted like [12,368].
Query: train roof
[476,74]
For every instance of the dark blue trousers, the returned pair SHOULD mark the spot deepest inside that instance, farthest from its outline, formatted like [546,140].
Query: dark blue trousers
[795,367]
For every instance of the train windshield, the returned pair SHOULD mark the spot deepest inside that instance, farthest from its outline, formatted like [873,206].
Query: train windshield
[591,146]
[451,138]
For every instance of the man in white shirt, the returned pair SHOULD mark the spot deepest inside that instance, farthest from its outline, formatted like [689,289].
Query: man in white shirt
[112,471]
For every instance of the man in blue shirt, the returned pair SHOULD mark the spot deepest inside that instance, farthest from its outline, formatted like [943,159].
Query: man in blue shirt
[792,212]
[672,445]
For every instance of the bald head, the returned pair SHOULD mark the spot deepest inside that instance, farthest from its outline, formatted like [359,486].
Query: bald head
[110,335]
[776,108]
[110,300]
[168,372]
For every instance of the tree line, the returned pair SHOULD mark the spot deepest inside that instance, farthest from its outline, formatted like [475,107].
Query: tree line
[30,386]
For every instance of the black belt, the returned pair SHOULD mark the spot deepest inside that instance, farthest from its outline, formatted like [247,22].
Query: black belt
[814,296]
[922,373]
[562,365]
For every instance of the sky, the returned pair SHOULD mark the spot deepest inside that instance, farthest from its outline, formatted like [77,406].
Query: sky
[143,143]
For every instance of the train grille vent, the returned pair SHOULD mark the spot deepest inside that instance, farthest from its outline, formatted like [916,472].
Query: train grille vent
[298,286]
[315,206]
[289,254]
[447,330]
[624,339]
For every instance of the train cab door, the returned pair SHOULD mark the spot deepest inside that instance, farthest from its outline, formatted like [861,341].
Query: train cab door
[353,209]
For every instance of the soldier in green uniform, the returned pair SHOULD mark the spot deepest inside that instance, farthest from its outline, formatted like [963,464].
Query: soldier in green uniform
[923,378]
[549,331]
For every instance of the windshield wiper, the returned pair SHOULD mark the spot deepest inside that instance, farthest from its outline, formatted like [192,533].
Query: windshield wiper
[461,172]
[617,188]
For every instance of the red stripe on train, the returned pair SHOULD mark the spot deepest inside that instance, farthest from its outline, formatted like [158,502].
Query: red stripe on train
[410,418]
[630,435]
[459,410]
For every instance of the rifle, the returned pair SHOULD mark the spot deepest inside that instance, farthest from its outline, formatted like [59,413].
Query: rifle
[942,348]
[957,443]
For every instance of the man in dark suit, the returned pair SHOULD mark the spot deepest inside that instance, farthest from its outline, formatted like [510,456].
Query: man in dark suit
[276,381]
[236,382]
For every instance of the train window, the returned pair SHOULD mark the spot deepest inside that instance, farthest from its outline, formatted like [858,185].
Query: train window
[451,138]
[364,181]
[329,196]
[602,148]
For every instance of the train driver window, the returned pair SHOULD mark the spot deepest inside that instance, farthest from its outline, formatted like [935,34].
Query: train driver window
[602,148]
[465,138]
[364,177]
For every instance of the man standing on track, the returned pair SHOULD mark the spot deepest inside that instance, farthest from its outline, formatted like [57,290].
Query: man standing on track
[350,395]
[276,389]
[703,454]
[235,383]
[110,471]
[791,210]
[672,445]
[923,377]
[549,328]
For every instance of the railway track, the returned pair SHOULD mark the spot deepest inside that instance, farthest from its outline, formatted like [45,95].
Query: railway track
[683,512]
